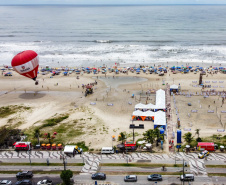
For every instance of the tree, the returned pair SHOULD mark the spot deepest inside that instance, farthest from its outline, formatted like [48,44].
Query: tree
[197,132]
[157,135]
[188,137]
[122,137]
[149,135]
[4,133]
[37,134]
[66,175]
[49,137]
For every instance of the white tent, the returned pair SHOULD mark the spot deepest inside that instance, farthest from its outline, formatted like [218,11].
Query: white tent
[138,113]
[149,113]
[160,99]
[150,106]
[173,86]
[140,106]
[160,118]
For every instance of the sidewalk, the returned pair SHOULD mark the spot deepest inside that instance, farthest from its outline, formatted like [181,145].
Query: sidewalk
[39,168]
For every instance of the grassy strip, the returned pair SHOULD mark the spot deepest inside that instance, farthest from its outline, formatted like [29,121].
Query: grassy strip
[140,173]
[140,165]
[216,166]
[38,172]
[217,174]
[40,164]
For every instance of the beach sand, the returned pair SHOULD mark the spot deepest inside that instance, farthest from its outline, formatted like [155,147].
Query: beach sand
[48,99]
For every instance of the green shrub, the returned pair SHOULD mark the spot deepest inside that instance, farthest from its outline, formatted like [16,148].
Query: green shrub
[53,121]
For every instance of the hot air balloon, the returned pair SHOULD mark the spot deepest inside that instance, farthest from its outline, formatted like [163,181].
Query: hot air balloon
[26,63]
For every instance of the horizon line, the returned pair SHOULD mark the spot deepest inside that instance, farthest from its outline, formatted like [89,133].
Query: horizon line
[113,4]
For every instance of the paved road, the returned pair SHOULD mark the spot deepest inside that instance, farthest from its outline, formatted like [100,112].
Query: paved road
[55,178]
[142,180]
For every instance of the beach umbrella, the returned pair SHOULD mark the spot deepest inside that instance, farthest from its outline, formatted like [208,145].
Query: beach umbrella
[148,145]
[120,146]
[26,63]
[141,142]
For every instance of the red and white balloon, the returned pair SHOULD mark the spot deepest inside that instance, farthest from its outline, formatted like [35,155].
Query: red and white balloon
[26,63]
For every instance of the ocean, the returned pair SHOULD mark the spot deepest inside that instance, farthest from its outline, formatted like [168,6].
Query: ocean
[69,35]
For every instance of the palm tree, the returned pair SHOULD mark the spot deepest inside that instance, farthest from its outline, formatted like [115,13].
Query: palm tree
[197,132]
[157,135]
[37,134]
[49,137]
[149,135]
[122,137]
[188,137]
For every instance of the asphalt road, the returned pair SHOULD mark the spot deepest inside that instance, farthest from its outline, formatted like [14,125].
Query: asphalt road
[12,177]
[142,180]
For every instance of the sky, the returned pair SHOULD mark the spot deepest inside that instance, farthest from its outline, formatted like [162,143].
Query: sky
[110,2]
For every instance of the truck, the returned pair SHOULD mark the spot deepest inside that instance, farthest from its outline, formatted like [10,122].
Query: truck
[21,146]
[72,150]
[205,146]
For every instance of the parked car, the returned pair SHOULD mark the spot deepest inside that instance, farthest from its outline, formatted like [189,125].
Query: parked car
[99,176]
[203,154]
[187,177]
[155,177]
[24,182]
[45,182]
[130,178]
[24,174]
[5,182]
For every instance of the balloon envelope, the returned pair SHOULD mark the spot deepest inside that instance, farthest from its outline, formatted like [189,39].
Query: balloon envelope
[26,63]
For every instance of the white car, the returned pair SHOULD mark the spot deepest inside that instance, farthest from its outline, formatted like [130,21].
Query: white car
[5,182]
[45,182]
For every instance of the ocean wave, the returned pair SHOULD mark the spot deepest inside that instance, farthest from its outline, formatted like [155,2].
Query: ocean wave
[133,41]
[103,41]
[7,35]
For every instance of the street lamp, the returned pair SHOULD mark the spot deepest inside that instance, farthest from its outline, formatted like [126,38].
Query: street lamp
[29,153]
[64,157]
[125,146]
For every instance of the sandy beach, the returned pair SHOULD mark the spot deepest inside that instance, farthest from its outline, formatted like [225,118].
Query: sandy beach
[97,120]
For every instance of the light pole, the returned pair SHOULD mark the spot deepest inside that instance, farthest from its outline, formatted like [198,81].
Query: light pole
[29,153]
[64,161]
[126,144]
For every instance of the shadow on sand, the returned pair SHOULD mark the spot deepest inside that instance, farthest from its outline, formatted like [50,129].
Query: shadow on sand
[30,95]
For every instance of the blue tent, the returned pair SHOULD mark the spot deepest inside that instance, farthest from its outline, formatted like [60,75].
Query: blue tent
[172,68]
[179,135]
